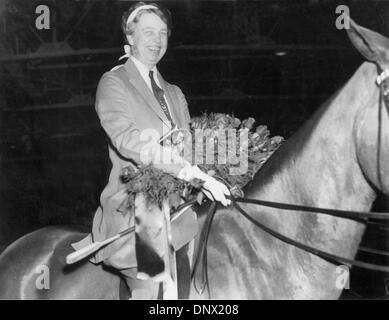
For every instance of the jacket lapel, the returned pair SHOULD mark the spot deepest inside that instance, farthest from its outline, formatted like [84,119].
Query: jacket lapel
[140,85]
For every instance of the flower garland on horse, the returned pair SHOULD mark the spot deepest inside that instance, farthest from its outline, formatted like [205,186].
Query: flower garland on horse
[158,186]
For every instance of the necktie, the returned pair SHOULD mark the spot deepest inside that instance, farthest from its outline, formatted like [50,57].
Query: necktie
[159,94]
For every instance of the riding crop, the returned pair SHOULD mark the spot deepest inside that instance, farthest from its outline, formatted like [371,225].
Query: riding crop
[95,246]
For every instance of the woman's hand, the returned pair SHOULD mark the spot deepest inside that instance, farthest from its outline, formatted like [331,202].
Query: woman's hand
[213,189]
[216,190]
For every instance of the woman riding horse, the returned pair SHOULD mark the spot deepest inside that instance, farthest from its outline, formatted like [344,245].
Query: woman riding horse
[133,101]
[338,159]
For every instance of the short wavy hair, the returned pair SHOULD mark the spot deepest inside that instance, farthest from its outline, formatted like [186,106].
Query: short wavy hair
[163,13]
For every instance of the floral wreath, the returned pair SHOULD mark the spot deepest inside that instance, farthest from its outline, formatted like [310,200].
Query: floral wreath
[159,186]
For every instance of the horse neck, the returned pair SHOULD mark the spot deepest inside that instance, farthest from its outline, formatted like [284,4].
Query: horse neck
[318,167]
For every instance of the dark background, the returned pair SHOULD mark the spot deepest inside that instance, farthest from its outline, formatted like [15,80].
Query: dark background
[276,61]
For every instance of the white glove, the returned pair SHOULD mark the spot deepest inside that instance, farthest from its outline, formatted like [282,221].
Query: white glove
[212,188]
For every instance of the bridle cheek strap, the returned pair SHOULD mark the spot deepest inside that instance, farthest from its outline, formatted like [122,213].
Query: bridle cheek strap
[382,82]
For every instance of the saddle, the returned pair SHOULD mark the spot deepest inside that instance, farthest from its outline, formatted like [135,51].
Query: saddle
[150,254]
[184,230]
[150,263]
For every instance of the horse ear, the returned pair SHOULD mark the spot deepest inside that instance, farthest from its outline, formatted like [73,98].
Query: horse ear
[372,45]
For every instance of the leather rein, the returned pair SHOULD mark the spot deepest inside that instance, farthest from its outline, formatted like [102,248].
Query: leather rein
[362,217]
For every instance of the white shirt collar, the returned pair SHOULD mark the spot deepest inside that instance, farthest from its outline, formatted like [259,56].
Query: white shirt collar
[144,71]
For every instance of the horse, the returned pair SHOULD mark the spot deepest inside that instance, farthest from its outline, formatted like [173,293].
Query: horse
[336,160]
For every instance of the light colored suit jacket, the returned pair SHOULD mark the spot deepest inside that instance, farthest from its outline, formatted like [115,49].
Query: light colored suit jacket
[126,106]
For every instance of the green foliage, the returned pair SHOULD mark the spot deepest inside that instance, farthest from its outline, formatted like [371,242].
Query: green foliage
[156,185]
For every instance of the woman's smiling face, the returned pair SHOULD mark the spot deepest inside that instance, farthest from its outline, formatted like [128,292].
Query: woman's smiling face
[149,39]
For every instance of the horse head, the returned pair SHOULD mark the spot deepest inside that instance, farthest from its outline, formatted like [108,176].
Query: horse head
[372,127]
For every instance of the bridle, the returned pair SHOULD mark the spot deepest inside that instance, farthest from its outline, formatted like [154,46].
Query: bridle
[361,217]
[382,82]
